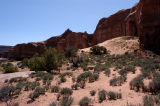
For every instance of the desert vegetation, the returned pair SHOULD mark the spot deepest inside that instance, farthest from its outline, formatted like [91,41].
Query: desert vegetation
[64,75]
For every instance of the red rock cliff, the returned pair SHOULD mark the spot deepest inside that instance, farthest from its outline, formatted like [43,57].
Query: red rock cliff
[113,26]
[149,25]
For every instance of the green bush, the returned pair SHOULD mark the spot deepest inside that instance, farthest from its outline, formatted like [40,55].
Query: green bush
[66,101]
[40,90]
[148,101]
[127,69]
[137,83]
[63,79]
[55,89]
[80,61]
[93,92]
[31,85]
[17,79]
[53,104]
[154,86]
[98,50]
[76,61]
[33,95]
[65,74]
[84,101]
[84,76]
[9,68]
[102,96]
[7,92]
[50,60]
[114,95]
[118,81]
[75,86]
[107,72]
[99,68]
[82,85]
[37,92]
[66,91]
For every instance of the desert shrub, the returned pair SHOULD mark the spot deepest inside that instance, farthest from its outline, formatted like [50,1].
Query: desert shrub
[63,79]
[83,76]
[33,95]
[118,81]
[102,96]
[55,89]
[80,61]
[107,72]
[148,101]
[65,74]
[99,68]
[98,50]
[84,101]
[66,101]
[93,77]
[62,76]
[66,91]
[154,85]
[71,52]
[40,90]
[73,79]
[93,92]
[37,92]
[76,61]
[38,79]
[127,69]
[51,59]
[31,85]
[19,86]
[7,92]
[114,95]
[137,83]
[13,104]
[46,87]
[17,79]
[82,85]
[75,86]
[9,68]
[47,77]
[53,104]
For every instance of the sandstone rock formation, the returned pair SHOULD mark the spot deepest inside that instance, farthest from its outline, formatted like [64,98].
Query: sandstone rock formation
[142,20]
[68,39]
[111,27]
[21,51]
[149,26]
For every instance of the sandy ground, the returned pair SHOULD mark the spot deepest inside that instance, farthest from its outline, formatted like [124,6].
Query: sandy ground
[119,45]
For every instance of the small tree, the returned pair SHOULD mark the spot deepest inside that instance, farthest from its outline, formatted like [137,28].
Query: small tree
[51,59]
[98,50]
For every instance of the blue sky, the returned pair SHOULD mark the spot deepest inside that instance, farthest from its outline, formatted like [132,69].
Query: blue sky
[23,21]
